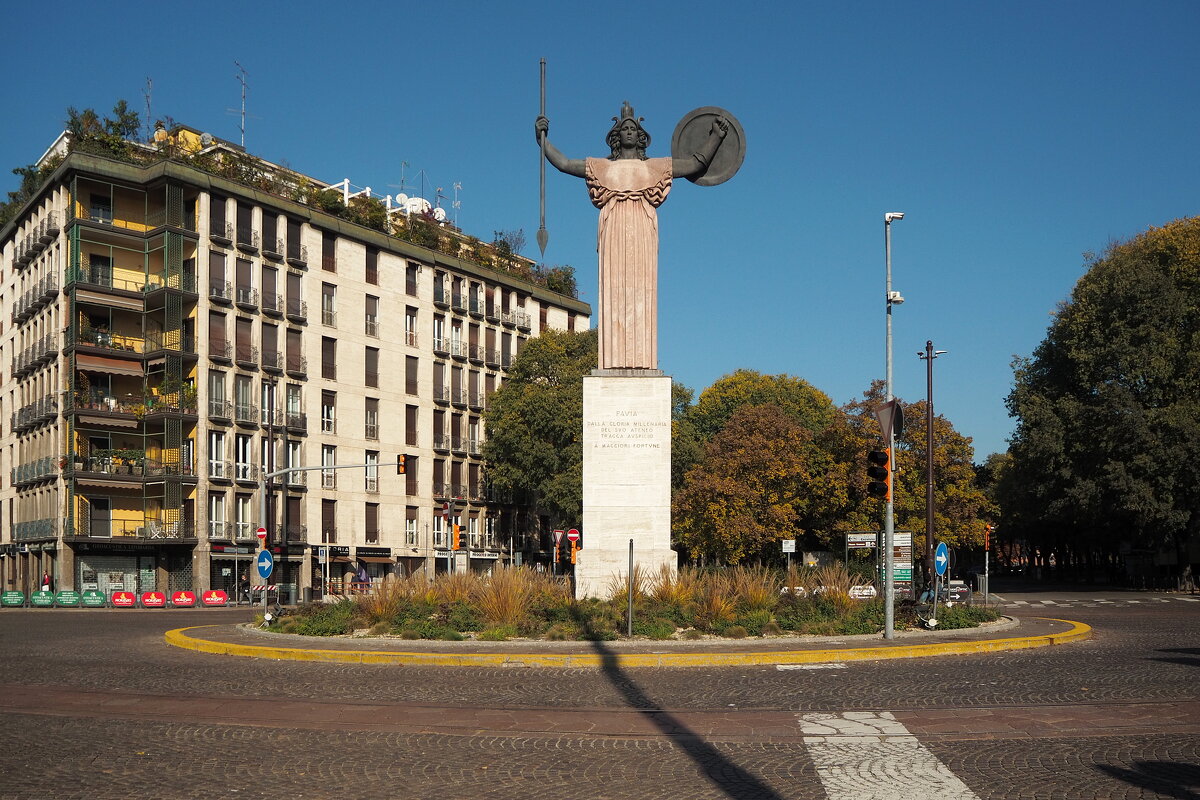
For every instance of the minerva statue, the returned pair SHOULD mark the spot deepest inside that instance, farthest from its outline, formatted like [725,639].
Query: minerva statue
[627,187]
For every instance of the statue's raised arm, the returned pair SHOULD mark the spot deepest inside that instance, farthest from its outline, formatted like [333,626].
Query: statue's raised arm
[571,166]
[699,161]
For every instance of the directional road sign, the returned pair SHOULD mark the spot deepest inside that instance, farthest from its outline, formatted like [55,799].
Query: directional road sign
[265,563]
[941,558]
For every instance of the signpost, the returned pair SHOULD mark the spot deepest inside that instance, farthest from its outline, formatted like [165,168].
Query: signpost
[789,547]
[941,559]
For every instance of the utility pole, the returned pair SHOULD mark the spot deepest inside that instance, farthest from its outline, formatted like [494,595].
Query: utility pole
[928,356]
[889,581]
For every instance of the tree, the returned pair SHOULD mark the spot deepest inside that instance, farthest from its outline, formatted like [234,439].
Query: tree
[534,424]
[764,477]
[796,397]
[1108,410]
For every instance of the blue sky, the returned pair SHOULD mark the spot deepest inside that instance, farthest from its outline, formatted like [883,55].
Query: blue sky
[1015,137]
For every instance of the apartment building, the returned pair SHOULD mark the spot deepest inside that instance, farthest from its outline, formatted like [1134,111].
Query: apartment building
[173,335]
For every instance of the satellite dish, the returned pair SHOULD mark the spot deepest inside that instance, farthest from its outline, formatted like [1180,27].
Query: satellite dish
[439,214]
[401,199]
[206,139]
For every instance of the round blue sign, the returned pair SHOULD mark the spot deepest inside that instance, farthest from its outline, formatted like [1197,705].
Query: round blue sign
[941,558]
[265,563]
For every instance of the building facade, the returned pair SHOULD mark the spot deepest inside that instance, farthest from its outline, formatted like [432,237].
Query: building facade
[173,337]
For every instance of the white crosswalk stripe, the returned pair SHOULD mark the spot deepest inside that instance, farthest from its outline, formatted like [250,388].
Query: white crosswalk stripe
[867,755]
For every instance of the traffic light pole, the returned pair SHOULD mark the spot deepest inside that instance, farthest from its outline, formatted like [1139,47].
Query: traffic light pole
[889,533]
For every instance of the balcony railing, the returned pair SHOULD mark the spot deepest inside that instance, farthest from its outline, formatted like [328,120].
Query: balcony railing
[246,354]
[274,250]
[247,240]
[297,256]
[42,410]
[328,480]
[220,291]
[170,340]
[148,528]
[221,232]
[247,297]
[245,412]
[297,310]
[35,529]
[372,327]
[371,430]
[272,303]
[220,529]
[272,359]
[329,317]
[219,408]
[41,469]
[220,469]
[297,420]
[297,366]
[245,471]
[458,301]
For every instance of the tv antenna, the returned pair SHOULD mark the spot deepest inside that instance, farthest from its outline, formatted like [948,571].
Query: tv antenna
[146,93]
[402,186]
[241,76]
[457,202]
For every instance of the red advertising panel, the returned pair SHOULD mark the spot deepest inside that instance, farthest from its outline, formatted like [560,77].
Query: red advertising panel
[183,599]
[214,597]
[154,599]
[124,600]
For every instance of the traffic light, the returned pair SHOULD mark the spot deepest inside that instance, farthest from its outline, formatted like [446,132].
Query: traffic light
[455,537]
[880,473]
[574,550]
[401,464]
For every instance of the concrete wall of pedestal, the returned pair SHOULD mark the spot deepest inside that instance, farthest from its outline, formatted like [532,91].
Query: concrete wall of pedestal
[626,479]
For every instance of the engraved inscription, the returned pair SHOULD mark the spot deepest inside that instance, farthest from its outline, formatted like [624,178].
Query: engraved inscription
[625,431]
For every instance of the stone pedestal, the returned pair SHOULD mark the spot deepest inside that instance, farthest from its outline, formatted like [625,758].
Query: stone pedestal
[626,477]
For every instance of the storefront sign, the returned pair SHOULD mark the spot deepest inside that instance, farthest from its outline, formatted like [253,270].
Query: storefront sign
[154,599]
[183,599]
[124,600]
[94,599]
[339,550]
[67,599]
[214,597]
[374,552]
[42,599]
[11,598]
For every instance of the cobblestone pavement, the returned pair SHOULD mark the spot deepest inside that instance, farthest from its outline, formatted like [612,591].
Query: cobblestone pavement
[93,704]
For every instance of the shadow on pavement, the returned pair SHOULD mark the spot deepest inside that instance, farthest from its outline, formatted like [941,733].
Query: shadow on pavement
[731,779]
[1164,778]
[1182,658]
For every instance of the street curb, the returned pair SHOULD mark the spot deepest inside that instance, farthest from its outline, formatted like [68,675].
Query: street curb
[179,638]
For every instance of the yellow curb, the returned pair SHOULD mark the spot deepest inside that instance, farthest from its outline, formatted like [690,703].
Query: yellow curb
[180,638]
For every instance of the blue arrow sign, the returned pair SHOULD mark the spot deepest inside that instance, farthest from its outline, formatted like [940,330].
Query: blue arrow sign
[941,558]
[265,563]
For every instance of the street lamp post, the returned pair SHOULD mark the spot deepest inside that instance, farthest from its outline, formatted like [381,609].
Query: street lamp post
[889,583]
[928,356]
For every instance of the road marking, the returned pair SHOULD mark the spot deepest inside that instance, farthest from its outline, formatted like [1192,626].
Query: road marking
[867,755]
[1189,599]
[809,666]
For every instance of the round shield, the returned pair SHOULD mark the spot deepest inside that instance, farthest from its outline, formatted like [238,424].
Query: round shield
[692,132]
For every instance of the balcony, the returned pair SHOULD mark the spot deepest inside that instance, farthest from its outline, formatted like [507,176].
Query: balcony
[328,479]
[247,298]
[37,471]
[459,445]
[458,349]
[149,528]
[221,233]
[458,397]
[272,303]
[492,357]
[491,312]
[297,421]
[245,414]
[439,296]
[441,442]
[297,310]
[372,327]
[476,307]
[477,400]
[297,366]
[329,317]
[220,291]
[441,394]
[245,472]
[31,416]
[297,255]
[219,469]
[272,360]
[297,533]
[173,341]
[441,346]
[34,529]
[274,250]
[220,351]
[474,448]
[297,479]
[220,530]
[247,240]
[458,302]
[219,409]
[371,430]
[475,352]
[246,355]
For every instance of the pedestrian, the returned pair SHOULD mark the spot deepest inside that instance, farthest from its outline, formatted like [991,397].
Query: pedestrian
[47,584]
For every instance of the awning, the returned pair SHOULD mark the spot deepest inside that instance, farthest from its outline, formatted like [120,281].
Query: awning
[112,422]
[102,483]
[341,560]
[375,560]
[114,366]
[114,300]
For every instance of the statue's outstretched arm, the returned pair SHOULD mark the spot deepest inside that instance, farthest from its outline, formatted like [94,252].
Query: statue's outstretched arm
[698,162]
[571,166]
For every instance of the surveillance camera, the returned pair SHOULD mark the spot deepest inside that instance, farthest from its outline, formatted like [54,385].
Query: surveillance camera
[893,215]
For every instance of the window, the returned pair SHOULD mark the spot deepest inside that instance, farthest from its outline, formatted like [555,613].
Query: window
[372,319]
[244,275]
[371,416]
[328,412]
[295,352]
[410,526]
[410,374]
[271,357]
[473,442]
[328,358]
[101,208]
[372,273]
[439,528]
[295,305]
[410,326]
[245,225]
[489,532]
[218,345]
[244,517]
[329,252]
[542,315]
[243,451]
[473,530]
[270,290]
[293,456]
[216,394]
[410,475]
[328,459]
[244,350]
[295,249]
[410,425]
[216,455]
[328,305]
[216,515]
[329,521]
[270,230]
[371,367]
[216,215]
[217,286]
[410,280]
[372,471]
[294,406]
[372,526]
[439,333]
[243,399]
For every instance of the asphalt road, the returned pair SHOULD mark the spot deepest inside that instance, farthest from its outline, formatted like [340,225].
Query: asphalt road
[94,705]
